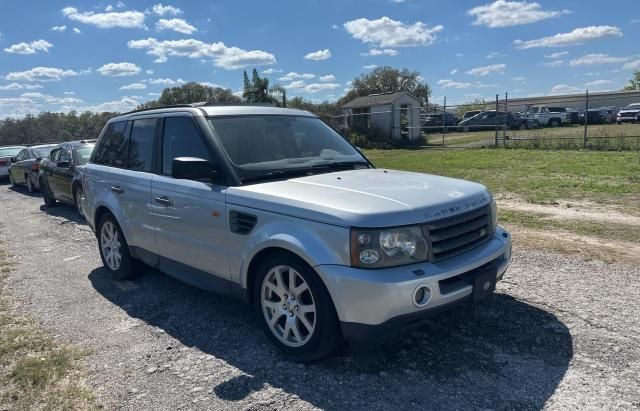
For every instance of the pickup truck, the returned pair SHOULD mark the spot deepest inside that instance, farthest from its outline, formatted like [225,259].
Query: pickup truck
[545,117]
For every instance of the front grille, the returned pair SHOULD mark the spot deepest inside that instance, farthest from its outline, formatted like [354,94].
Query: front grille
[455,235]
[628,114]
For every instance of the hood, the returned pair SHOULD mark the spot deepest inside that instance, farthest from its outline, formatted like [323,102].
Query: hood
[630,110]
[364,198]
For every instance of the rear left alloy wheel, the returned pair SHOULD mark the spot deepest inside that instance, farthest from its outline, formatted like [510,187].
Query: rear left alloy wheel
[11,180]
[77,198]
[30,187]
[294,309]
[114,250]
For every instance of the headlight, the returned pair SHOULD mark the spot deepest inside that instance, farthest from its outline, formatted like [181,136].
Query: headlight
[388,247]
[494,215]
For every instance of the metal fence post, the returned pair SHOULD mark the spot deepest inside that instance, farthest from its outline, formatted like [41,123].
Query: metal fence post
[506,115]
[444,119]
[586,120]
[496,121]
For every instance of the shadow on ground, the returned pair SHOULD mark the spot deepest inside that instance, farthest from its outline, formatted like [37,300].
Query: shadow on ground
[502,353]
[65,211]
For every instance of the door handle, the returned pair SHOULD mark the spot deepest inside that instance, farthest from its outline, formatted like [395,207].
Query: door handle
[117,189]
[164,200]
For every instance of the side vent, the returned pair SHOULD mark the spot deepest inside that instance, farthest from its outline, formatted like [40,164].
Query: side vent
[241,223]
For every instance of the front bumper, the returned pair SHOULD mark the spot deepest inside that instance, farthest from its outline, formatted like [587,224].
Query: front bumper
[380,303]
[626,119]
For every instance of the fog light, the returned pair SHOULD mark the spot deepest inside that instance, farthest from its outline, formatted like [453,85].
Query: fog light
[421,296]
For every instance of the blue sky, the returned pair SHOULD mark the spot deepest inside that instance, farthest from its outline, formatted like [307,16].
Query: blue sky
[112,55]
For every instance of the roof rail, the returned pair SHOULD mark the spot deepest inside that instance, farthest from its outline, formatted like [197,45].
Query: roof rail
[161,107]
[202,104]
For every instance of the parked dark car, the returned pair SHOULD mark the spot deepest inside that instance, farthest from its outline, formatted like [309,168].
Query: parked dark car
[433,122]
[61,173]
[594,117]
[488,120]
[25,166]
[6,154]
[469,114]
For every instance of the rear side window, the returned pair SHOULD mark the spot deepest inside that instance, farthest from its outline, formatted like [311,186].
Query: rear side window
[113,149]
[141,144]
[181,139]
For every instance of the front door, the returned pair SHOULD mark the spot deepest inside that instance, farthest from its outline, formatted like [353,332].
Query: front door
[189,216]
[62,175]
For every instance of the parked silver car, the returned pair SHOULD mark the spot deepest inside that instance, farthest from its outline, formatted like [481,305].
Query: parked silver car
[273,207]
[25,166]
[6,154]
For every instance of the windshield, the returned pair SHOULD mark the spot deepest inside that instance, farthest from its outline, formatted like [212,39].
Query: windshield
[82,155]
[10,152]
[272,145]
[43,151]
[634,106]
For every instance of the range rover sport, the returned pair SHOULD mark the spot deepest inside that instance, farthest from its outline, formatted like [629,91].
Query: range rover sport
[272,206]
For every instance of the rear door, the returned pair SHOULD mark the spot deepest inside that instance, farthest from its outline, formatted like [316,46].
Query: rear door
[47,167]
[62,172]
[18,167]
[189,215]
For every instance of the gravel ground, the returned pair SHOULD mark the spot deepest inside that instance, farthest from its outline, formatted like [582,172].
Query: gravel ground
[560,333]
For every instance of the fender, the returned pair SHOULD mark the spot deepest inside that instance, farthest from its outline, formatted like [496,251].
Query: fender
[306,239]
[107,199]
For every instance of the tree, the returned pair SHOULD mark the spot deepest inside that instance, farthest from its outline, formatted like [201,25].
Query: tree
[192,93]
[256,90]
[388,80]
[634,83]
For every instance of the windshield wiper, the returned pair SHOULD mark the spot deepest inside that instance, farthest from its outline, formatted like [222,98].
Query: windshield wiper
[304,171]
[341,165]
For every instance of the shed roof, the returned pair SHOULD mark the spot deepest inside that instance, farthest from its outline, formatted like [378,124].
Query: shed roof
[378,99]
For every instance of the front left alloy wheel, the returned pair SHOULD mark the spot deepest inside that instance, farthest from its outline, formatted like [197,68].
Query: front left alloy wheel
[295,309]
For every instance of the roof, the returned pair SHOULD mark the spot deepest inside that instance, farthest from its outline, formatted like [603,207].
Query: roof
[378,99]
[218,110]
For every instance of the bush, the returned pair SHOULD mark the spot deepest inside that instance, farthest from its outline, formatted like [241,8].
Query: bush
[378,140]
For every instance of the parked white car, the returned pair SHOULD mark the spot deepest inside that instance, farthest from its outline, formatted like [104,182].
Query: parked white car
[545,117]
[272,206]
[629,114]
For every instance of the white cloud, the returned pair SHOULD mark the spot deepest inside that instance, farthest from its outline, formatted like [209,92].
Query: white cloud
[178,25]
[380,52]
[35,102]
[328,77]
[556,55]
[385,32]
[169,10]
[293,76]
[519,78]
[20,86]
[119,69]
[575,37]
[448,83]
[634,21]
[459,55]
[503,13]
[300,85]
[134,86]
[210,84]
[77,30]
[454,71]
[554,63]
[271,71]
[154,94]
[370,67]
[632,65]
[149,71]
[41,74]
[597,83]
[564,89]
[319,55]
[47,99]
[597,58]
[166,81]
[228,58]
[59,28]
[495,55]
[29,48]
[125,19]
[114,106]
[69,93]
[486,70]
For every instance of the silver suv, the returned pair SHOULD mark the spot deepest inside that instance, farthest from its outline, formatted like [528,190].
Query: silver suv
[273,207]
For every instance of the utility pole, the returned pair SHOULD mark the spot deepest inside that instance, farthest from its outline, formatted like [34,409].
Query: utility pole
[586,120]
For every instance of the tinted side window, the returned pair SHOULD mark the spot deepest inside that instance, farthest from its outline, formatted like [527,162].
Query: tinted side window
[64,155]
[141,144]
[113,146]
[53,154]
[181,139]
[21,155]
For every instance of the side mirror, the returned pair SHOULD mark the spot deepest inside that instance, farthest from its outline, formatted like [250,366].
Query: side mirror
[193,168]
[14,159]
[63,164]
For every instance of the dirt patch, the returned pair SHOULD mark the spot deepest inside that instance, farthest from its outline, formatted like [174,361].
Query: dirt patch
[573,210]
[565,242]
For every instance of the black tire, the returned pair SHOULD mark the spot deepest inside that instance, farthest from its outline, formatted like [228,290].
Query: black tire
[327,336]
[127,266]
[554,122]
[12,181]
[77,197]
[30,187]
[49,201]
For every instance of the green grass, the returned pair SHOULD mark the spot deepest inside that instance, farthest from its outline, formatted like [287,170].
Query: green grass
[36,372]
[538,176]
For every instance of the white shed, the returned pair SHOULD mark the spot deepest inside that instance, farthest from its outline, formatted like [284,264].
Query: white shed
[394,114]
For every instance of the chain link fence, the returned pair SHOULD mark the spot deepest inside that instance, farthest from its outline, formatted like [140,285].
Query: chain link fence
[600,121]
